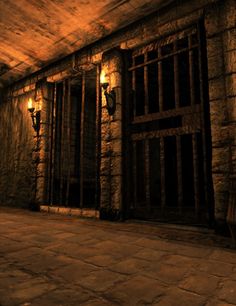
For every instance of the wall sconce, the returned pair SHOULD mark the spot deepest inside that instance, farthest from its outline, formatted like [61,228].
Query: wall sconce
[110,96]
[35,116]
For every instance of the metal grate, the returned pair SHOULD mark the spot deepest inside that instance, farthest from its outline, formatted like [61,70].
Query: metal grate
[168,129]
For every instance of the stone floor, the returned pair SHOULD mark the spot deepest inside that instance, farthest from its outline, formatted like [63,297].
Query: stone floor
[59,260]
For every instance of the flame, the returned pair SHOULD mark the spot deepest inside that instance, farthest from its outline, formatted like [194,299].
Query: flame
[103,78]
[30,103]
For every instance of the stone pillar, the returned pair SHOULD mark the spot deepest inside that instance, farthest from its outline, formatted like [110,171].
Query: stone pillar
[42,148]
[220,35]
[111,140]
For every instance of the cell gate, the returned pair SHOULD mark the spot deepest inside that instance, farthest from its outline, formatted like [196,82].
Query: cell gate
[169,131]
[73,179]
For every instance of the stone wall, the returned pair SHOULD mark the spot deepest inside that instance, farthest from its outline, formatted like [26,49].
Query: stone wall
[111,139]
[221,45]
[17,169]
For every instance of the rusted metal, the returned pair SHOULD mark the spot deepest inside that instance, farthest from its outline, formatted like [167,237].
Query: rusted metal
[133,91]
[168,113]
[176,77]
[160,83]
[162,162]
[82,142]
[68,136]
[195,172]
[146,96]
[134,175]
[62,146]
[98,133]
[191,71]
[147,172]
[186,117]
[179,172]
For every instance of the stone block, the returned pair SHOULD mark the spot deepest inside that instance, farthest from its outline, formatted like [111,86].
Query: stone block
[200,283]
[214,46]
[230,62]
[212,23]
[216,89]
[215,65]
[220,159]
[229,39]
[220,182]
[231,85]
[105,166]
[228,291]
[221,199]
[116,129]
[115,79]
[116,145]
[231,107]
[220,136]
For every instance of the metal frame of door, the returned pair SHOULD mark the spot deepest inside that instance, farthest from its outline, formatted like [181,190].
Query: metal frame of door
[60,142]
[169,130]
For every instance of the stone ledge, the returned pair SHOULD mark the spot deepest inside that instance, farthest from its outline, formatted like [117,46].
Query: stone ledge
[84,212]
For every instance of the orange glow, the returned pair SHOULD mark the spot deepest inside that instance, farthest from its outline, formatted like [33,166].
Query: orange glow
[103,78]
[30,103]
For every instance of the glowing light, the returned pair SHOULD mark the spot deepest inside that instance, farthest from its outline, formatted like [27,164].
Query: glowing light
[30,103]
[103,78]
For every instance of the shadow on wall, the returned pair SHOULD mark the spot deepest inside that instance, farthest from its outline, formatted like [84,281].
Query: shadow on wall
[17,142]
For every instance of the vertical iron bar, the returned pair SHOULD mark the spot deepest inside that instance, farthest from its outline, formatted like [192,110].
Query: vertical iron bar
[62,147]
[179,173]
[160,82]
[191,71]
[98,133]
[134,175]
[82,142]
[145,86]
[68,142]
[147,173]
[162,163]
[134,89]
[195,173]
[176,76]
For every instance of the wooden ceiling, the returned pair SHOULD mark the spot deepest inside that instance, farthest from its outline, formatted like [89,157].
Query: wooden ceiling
[34,33]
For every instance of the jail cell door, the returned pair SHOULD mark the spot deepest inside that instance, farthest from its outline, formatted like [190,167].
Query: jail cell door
[74,149]
[169,131]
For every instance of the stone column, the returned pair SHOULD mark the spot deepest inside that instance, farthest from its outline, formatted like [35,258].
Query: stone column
[220,34]
[41,153]
[111,140]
